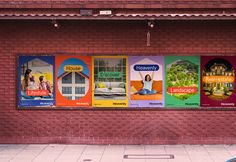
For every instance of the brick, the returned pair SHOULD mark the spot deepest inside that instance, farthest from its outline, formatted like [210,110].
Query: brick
[112,126]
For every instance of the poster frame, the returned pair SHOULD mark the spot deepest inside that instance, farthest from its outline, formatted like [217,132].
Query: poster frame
[202,95]
[87,60]
[197,61]
[126,87]
[160,62]
[18,82]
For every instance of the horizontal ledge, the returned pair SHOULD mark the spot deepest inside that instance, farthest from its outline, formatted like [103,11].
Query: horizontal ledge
[132,4]
[84,18]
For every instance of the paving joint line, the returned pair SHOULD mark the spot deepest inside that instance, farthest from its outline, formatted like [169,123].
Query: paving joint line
[82,153]
[39,152]
[5,147]
[18,152]
[167,153]
[187,153]
[123,153]
[228,151]
[208,153]
[65,146]
[103,153]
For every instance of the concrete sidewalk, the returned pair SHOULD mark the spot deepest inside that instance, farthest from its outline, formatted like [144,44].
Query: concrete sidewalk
[115,153]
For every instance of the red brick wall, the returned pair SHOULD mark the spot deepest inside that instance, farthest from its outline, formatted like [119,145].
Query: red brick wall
[112,126]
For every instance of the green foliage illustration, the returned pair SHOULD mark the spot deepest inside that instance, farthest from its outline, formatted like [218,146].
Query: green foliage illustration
[182,73]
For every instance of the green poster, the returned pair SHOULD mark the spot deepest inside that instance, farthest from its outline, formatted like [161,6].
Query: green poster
[182,81]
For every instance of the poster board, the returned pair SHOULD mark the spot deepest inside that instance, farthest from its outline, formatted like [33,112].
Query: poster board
[73,81]
[218,81]
[36,81]
[182,76]
[110,81]
[146,78]
[118,81]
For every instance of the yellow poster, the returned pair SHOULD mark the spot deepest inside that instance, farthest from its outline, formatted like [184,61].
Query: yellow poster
[110,81]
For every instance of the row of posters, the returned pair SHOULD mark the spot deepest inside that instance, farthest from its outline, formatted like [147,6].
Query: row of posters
[121,81]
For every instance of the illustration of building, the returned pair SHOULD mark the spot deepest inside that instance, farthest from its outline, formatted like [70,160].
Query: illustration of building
[218,88]
[73,85]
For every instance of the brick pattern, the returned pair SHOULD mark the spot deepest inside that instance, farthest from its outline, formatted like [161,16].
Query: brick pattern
[117,4]
[112,126]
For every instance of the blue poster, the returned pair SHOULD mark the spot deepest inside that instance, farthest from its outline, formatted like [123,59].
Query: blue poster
[36,81]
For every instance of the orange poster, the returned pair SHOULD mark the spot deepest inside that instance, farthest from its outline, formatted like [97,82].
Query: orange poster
[73,83]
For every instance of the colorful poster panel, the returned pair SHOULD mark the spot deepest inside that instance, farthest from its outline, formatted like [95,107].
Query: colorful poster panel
[73,81]
[182,76]
[36,81]
[218,81]
[110,81]
[146,75]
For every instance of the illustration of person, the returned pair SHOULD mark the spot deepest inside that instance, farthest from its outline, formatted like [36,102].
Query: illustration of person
[28,83]
[45,85]
[147,84]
